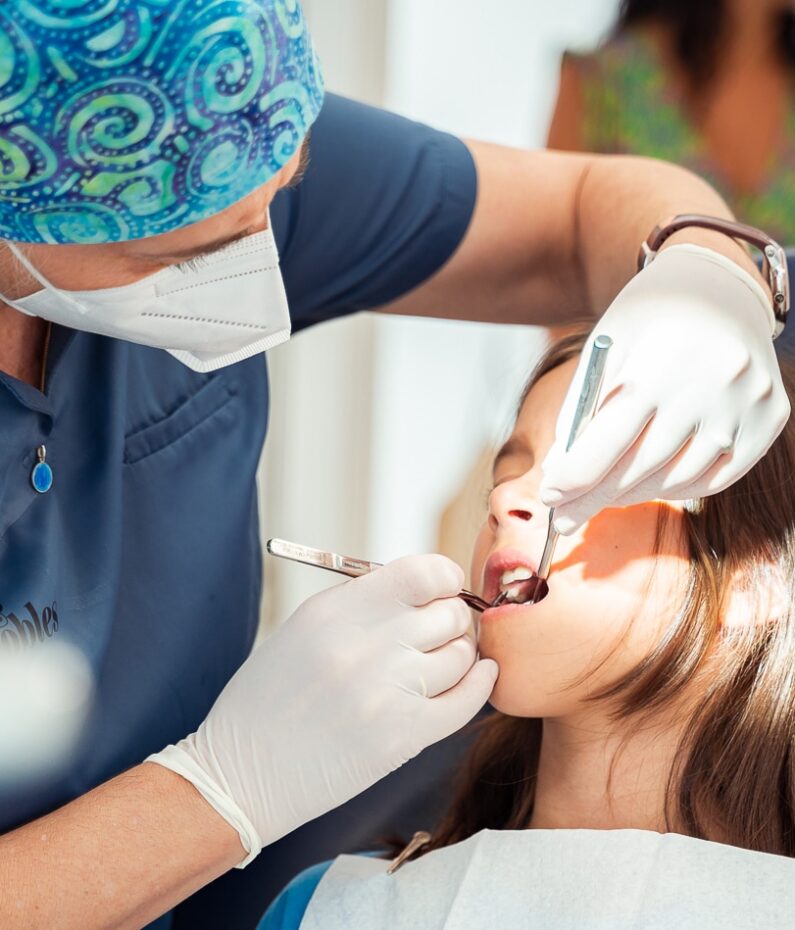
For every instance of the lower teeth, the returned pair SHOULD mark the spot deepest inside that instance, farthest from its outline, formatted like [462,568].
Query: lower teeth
[525,591]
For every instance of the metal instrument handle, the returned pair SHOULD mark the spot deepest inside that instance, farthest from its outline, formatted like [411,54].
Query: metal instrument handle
[344,565]
[583,414]
[420,839]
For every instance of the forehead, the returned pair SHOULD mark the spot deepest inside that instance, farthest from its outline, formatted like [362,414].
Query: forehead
[235,222]
[544,400]
[534,429]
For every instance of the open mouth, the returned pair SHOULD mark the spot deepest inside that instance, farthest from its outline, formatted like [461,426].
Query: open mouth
[519,587]
[510,578]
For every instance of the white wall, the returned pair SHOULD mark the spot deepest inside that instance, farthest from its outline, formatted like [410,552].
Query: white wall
[314,479]
[377,421]
[490,72]
[487,70]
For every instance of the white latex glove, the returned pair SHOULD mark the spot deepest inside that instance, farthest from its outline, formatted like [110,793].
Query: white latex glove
[692,395]
[359,680]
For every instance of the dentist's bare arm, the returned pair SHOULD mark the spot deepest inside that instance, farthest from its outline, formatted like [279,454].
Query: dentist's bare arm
[555,235]
[117,857]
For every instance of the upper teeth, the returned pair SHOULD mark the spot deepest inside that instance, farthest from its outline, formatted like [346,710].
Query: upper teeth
[517,574]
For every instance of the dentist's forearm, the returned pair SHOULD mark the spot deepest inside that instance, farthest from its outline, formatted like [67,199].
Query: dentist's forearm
[620,201]
[118,857]
[555,236]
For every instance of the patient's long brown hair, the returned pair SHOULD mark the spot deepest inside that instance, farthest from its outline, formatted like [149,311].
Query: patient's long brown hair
[733,779]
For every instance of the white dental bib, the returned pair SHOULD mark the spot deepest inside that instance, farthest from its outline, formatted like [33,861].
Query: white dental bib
[561,880]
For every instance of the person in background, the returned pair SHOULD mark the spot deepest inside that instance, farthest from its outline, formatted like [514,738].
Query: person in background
[709,85]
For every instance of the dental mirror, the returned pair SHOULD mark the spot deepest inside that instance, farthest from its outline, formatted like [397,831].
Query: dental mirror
[530,591]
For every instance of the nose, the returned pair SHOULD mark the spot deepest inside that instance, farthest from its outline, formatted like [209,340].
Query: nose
[509,504]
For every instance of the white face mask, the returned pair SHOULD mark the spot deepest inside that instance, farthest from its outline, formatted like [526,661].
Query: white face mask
[221,309]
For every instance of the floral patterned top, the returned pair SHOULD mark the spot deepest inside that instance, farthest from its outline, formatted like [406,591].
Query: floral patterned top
[631,107]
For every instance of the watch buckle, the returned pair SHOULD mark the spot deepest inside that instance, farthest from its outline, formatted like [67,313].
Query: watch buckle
[775,268]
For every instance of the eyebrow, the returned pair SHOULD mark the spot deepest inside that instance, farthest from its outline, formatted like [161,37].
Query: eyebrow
[207,248]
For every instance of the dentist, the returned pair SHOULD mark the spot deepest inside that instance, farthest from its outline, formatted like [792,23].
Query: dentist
[150,154]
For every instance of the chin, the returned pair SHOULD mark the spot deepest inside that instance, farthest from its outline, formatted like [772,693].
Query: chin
[515,699]
[506,703]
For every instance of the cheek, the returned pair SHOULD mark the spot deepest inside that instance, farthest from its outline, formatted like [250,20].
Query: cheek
[609,602]
[480,553]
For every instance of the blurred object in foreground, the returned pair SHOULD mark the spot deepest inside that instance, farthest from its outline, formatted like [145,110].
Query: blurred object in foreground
[708,85]
[45,695]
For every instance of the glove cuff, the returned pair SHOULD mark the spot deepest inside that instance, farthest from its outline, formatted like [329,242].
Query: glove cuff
[721,261]
[180,760]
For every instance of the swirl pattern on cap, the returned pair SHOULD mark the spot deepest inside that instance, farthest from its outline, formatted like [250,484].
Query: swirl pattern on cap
[121,119]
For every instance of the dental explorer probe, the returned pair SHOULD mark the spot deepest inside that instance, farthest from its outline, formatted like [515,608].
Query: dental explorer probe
[345,565]
[583,414]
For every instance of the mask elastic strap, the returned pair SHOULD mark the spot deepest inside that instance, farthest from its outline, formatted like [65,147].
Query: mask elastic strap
[34,271]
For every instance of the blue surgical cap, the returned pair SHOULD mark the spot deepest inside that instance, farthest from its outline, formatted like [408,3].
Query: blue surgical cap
[121,119]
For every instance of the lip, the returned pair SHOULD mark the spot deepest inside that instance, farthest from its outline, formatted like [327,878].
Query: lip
[505,560]
[505,612]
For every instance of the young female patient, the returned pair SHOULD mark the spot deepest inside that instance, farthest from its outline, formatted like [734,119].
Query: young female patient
[654,687]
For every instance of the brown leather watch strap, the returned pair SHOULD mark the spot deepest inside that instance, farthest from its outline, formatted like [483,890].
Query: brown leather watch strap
[774,257]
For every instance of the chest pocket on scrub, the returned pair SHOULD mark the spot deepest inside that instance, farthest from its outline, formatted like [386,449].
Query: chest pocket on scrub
[212,397]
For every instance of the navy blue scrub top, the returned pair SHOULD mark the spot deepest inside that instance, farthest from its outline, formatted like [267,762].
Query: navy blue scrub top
[145,553]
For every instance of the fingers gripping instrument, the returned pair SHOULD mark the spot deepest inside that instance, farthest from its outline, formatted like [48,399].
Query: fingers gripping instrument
[345,565]
[691,309]
[358,680]
[536,589]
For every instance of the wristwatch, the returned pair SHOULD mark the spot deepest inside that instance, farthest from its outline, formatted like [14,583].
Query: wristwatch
[774,264]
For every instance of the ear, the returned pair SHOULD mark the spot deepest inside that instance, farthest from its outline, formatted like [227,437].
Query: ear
[762,597]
